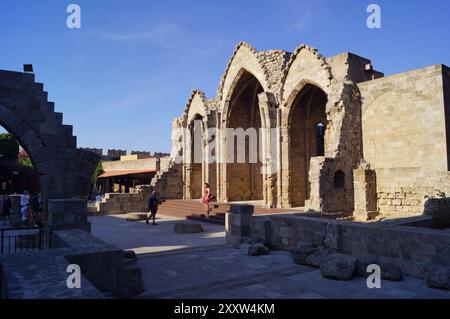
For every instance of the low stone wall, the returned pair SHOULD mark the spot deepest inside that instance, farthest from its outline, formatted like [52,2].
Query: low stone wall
[122,203]
[405,194]
[402,242]
[43,274]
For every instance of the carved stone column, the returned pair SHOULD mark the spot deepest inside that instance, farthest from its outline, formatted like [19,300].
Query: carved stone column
[365,190]
[269,147]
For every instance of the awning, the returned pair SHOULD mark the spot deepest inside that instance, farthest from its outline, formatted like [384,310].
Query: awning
[125,173]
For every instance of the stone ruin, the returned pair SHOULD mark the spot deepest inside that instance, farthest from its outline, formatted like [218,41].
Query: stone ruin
[65,177]
[329,115]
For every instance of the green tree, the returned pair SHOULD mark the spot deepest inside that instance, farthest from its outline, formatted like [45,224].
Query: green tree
[97,172]
[9,147]
[24,159]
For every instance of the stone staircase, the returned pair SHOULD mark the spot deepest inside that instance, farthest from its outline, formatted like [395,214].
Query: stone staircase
[193,210]
[26,113]
[34,107]
[168,182]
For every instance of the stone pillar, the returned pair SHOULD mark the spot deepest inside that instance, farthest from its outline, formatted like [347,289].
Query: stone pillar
[269,147]
[238,224]
[65,214]
[315,201]
[283,179]
[365,191]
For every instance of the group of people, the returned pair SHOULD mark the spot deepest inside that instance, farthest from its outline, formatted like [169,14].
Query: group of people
[29,208]
[153,203]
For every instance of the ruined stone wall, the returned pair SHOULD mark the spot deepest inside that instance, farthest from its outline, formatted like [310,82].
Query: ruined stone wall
[446,84]
[405,138]
[409,247]
[404,190]
[164,163]
[275,63]
[25,111]
[169,183]
[343,140]
[138,164]
[350,84]
[115,203]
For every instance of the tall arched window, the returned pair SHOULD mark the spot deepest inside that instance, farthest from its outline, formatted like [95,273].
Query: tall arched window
[339,180]
[320,138]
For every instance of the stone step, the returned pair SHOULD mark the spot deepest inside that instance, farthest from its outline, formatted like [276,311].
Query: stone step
[202,218]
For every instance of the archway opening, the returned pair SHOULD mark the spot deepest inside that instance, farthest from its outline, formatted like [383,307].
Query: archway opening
[308,124]
[19,177]
[244,178]
[196,128]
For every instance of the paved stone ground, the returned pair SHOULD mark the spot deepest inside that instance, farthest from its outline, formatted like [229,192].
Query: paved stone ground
[221,272]
[143,238]
[201,266]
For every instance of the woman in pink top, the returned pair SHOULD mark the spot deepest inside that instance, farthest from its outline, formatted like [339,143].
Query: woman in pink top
[207,198]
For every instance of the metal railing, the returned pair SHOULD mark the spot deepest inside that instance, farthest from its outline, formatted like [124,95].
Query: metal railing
[19,240]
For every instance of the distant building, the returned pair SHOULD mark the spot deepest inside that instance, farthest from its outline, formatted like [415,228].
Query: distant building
[122,176]
[114,154]
[98,151]
[140,153]
[160,155]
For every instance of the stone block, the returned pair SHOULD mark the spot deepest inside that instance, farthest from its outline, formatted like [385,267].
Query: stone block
[316,258]
[134,217]
[362,264]
[241,209]
[238,224]
[244,248]
[187,228]
[390,271]
[437,276]
[129,258]
[300,255]
[129,282]
[258,249]
[338,266]
[66,211]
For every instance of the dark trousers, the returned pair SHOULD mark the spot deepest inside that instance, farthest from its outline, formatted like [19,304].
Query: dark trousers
[152,212]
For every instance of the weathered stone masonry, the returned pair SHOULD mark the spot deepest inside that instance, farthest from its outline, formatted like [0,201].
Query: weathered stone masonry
[329,115]
[64,170]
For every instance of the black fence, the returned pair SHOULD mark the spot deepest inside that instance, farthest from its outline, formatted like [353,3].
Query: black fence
[19,240]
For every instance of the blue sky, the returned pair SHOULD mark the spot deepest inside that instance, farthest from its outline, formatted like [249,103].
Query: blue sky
[129,70]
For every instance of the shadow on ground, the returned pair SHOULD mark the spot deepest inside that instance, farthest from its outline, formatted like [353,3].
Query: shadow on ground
[143,238]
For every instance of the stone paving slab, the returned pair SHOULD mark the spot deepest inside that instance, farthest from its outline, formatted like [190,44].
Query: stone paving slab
[143,238]
[42,275]
[202,273]
[201,266]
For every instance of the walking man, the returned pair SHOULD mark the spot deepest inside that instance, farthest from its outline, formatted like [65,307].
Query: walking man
[152,206]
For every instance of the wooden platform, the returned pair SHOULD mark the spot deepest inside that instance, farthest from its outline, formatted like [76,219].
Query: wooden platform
[193,210]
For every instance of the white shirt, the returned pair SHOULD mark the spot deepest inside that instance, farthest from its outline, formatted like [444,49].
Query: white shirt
[24,200]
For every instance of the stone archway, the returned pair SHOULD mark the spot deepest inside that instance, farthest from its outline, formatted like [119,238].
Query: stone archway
[307,126]
[197,164]
[65,171]
[244,180]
